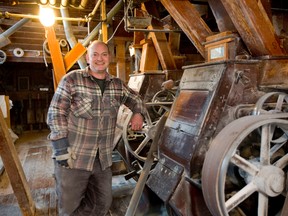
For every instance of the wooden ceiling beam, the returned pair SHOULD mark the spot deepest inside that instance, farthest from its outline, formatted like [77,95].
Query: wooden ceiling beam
[224,22]
[190,21]
[254,27]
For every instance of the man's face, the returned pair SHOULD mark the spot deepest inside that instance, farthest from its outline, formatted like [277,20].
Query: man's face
[98,57]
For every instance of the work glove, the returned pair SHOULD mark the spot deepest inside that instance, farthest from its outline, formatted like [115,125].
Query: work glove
[63,154]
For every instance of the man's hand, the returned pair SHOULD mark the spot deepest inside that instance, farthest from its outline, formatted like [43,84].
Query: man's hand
[65,160]
[136,121]
[62,152]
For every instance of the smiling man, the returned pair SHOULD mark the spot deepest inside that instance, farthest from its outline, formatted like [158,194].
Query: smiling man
[82,119]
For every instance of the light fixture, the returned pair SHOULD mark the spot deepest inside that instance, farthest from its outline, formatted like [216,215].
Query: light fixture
[46,16]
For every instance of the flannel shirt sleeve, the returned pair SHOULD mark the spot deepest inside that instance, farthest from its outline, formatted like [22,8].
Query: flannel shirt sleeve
[133,101]
[59,110]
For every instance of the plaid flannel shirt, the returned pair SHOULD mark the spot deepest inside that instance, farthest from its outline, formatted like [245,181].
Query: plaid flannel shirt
[79,112]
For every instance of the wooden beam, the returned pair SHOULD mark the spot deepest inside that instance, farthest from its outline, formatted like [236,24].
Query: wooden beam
[56,56]
[149,59]
[174,42]
[190,21]
[163,50]
[73,55]
[138,36]
[120,56]
[160,42]
[104,22]
[254,27]
[224,22]
[266,4]
[14,170]
[7,119]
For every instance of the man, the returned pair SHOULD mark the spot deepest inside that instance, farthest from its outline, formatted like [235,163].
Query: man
[82,119]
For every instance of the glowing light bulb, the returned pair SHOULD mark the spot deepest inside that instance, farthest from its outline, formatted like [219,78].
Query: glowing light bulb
[46,16]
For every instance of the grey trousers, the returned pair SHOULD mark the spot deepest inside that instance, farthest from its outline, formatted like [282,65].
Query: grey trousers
[82,192]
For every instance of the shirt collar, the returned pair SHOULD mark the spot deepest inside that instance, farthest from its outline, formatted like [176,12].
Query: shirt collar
[86,73]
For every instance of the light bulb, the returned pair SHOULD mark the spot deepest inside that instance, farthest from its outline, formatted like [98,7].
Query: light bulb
[46,16]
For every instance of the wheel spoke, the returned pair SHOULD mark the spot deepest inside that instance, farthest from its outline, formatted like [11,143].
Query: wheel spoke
[282,162]
[240,196]
[239,162]
[160,110]
[262,204]
[281,139]
[280,102]
[137,141]
[160,99]
[276,147]
[142,145]
[265,145]
[245,165]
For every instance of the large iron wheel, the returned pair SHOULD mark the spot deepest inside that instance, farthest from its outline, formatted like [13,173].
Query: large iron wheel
[139,142]
[244,172]
[272,102]
[162,101]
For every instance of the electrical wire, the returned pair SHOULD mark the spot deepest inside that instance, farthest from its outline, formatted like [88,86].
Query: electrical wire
[125,13]
[115,30]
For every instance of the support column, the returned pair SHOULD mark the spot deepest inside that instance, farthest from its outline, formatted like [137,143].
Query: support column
[120,56]
[149,58]
[104,23]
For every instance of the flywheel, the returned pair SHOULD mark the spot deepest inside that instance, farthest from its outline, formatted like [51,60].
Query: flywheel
[245,172]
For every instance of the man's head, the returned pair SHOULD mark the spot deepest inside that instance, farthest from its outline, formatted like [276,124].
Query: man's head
[98,56]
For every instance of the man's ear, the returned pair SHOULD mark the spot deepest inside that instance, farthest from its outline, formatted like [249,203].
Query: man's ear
[87,57]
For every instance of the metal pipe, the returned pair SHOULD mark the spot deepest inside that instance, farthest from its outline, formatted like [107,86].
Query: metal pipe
[15,27]
[110,15]
[69,33]
[8,15]
[95,9]
[149,30]
[4,36]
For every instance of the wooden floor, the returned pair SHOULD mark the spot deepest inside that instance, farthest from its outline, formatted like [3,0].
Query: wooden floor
[35,155]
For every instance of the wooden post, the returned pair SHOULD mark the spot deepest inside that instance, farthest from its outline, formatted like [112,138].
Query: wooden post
[120,56]
[14,170]
[8,120]
[56,56]
[104,23]
[149,58]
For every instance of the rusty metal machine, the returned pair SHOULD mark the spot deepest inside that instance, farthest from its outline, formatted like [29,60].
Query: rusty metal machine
[223,149]
[225,140]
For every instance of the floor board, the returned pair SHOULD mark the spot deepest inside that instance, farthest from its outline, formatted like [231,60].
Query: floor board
[34,152]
